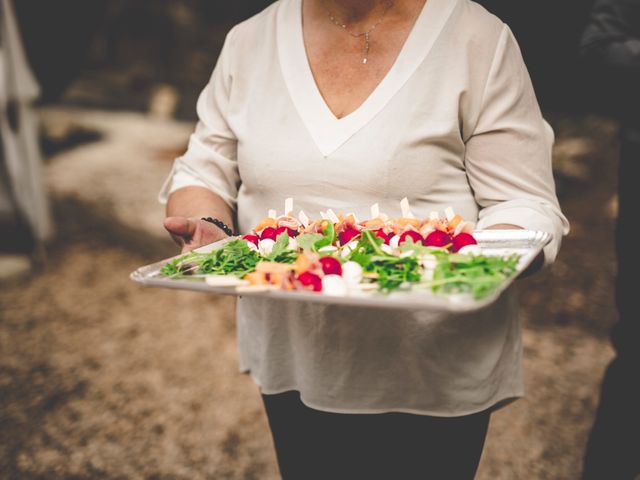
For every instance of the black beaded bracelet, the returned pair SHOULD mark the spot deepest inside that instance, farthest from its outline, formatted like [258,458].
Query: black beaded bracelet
[220,224]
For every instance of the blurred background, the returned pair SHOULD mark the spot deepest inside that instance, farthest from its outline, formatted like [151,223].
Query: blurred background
[100,378]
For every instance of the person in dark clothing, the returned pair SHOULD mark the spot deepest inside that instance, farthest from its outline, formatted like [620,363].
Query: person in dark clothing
[611,42]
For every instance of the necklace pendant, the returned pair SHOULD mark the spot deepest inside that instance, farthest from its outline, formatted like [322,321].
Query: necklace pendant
[343,26]
[366,48]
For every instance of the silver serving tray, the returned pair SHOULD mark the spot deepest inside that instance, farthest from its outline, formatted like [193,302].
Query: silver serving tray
[526,243]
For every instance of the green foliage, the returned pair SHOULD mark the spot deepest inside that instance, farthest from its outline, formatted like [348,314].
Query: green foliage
[328,239]
[478,275]
[391,272]
[233,258]
[281,252]
[307,241]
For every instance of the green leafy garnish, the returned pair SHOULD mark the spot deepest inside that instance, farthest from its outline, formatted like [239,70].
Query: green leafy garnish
[307,241]
[477,275]
[394,272]
[391,272]
[329,237]
[233,258]
[280,252]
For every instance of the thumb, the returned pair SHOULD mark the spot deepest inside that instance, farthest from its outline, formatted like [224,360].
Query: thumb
[180,226]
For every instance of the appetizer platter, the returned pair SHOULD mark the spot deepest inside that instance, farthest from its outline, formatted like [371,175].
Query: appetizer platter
[440,262]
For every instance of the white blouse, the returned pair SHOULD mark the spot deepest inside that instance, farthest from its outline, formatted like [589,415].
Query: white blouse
[455,122]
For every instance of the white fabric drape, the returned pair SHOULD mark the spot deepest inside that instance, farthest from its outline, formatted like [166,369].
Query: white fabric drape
[21,152]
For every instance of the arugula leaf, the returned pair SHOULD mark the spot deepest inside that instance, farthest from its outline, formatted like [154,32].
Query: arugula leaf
[281,245]
[393,272]
[477,275]
[374,242]
[417,248]
[170,269]
[329,237]
[307,241]
[233,258]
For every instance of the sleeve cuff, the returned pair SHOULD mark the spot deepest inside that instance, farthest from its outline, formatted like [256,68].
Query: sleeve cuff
[529,218]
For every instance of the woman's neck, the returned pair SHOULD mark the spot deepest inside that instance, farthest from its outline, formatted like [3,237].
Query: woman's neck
[354,12]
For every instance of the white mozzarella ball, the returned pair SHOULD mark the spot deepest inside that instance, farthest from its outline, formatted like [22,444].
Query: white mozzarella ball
[394,241]
[471,250]
[352,273]
[265,246]
[293,244]
[334,285]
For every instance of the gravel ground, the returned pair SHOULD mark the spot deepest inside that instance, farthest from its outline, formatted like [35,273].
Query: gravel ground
[101,378]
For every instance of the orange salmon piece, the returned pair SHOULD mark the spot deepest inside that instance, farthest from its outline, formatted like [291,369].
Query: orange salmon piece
[266,222]
[414,222]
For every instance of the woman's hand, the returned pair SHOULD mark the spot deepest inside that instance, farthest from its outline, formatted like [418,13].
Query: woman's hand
[185,209]
[192,232]
[537,263]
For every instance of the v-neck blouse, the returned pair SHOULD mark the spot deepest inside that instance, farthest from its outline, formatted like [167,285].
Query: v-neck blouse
[328,131]
[455,122]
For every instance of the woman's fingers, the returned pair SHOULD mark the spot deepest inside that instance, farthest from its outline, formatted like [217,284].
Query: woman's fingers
[181,226]
[183,230]
[192,233]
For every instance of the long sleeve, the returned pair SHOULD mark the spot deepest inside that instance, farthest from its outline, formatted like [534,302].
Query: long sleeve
[509,155]
[210,160]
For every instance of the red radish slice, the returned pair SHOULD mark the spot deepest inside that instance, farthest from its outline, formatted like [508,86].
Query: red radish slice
[252,239]
[437,238]
[270,233]
[331,266]
[417,238]
[312,280]
[290,231]
[462,240]
[384,236]
[348,235]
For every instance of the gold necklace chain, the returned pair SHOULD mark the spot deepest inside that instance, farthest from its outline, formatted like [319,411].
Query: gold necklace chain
[365,34]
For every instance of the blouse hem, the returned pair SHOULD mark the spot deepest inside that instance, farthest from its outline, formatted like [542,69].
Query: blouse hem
[493,404]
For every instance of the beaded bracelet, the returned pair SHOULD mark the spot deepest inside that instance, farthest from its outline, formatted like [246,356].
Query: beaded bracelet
[220,224]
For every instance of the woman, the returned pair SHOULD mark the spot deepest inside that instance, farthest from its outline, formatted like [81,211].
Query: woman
[342,104]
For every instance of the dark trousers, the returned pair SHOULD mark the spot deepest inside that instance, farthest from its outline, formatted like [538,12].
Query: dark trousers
[613,450]
[312,444]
